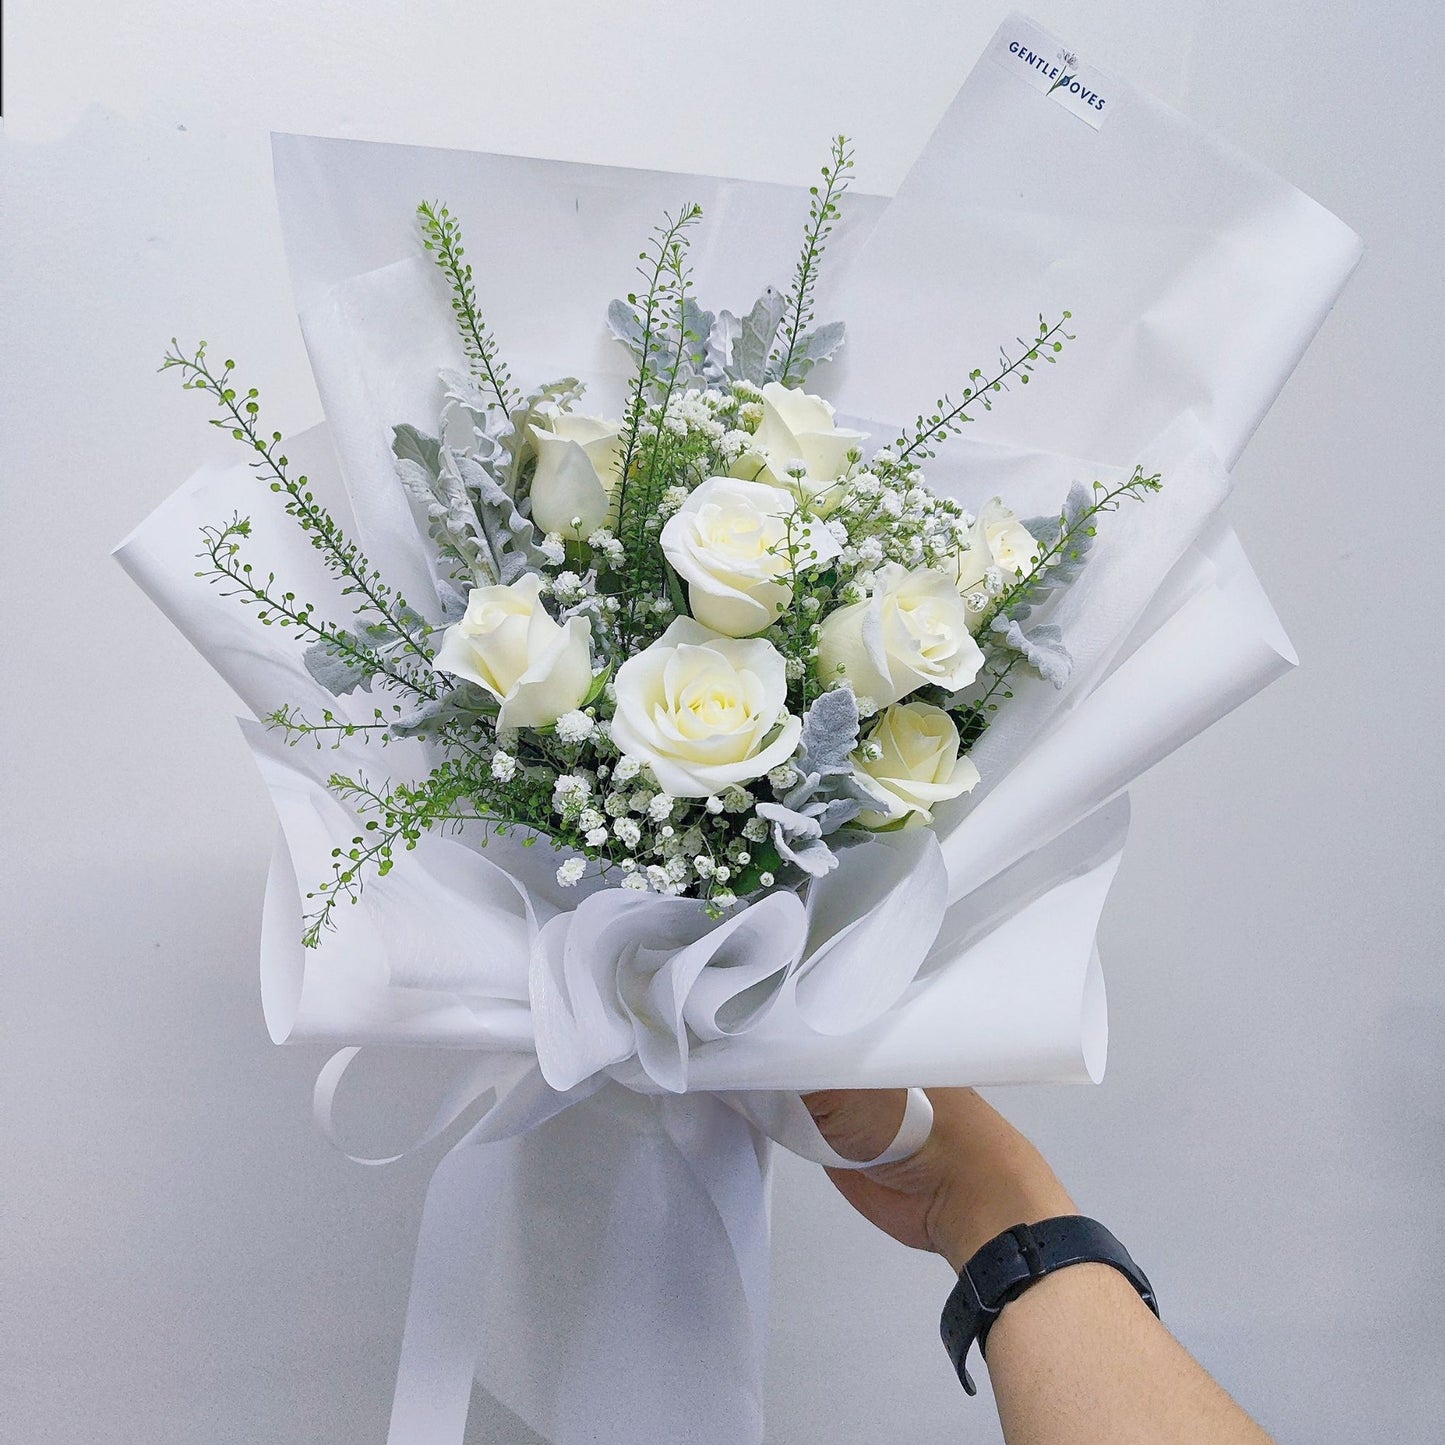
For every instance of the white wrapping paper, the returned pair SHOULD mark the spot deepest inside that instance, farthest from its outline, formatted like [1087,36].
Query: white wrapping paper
[629,1045]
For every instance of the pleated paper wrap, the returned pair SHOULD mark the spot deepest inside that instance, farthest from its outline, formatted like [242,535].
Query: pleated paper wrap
[595,1249]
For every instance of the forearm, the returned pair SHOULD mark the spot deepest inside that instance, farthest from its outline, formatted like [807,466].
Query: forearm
[1079,1359]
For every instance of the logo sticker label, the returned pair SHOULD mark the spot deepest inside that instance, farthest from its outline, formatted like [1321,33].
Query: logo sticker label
[1051,68]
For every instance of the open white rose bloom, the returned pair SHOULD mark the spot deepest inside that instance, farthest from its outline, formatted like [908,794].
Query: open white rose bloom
[594,1249]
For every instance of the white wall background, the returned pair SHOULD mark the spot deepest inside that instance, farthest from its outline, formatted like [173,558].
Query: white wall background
[181,1260]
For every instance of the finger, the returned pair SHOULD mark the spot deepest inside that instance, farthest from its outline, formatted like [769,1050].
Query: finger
[858,1123]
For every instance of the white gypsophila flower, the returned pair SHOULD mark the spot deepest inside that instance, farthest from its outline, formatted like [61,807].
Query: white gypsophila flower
[570,793]
[615,805]
[659,809]
[568,587]
[725,899]
[596,837]
[575,726]
[606,547]
[870,551]
[910,762]
[508,643]
[737,800]
[912,632]
[993,580]
[640,800]
[570,873]
[627,832]
[755,829]
[722,872]
[783,778]
[636,882]
[590,818]
[504,766]
[626,769]
[737,545]
[577,463]
[714,804]
[703,866]
[704,712]
[554,549]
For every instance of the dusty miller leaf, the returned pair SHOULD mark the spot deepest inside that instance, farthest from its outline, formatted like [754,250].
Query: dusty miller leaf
[819,344]
[622,322]
[826,790]
[510,538]
[798,838]
[465,703]
[752,342]
[452,520]
[337,671]
[1042,647]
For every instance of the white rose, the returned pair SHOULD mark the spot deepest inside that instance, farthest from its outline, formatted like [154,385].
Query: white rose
[797,427]
[918,765]
[729,541]
[997,539]
[577,462]
[704,711]
[509,644]
[911,632]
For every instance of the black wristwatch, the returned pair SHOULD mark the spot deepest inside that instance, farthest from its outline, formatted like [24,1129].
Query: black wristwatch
[1006,1266]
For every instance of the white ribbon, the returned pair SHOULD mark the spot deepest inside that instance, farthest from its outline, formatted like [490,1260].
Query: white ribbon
[574,1305]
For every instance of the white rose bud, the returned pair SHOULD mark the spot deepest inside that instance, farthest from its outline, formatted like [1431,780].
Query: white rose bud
[797,429]
[729,541]
[703,711]
[996,539]
[912,764]
[912,632]
[577,462]
[508,643]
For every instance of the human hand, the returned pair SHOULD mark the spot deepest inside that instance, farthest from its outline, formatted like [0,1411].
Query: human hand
[975,1177]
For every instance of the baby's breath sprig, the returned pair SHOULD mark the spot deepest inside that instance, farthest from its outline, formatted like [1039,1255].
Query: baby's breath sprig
[949,416]
[443,238]
[241,417]
[823,213]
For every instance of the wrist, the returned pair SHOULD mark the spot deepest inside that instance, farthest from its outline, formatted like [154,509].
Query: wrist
[983,1198]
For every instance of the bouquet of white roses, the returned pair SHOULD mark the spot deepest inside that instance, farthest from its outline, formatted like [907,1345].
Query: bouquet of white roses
[699,649]
[732,746]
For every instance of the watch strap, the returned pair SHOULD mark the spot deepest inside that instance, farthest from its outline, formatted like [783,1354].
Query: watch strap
[1019,1257]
